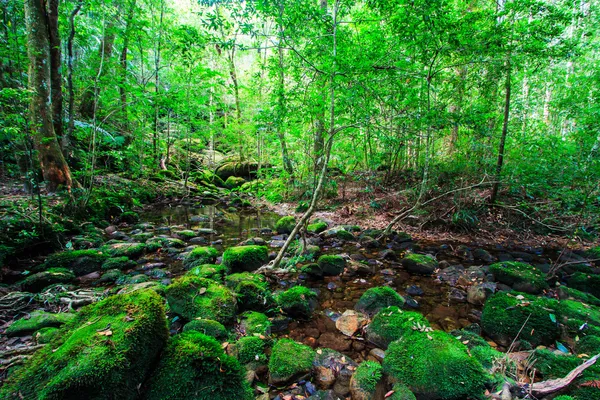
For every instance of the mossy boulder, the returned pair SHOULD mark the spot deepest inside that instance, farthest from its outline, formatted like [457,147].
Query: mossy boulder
[216,272]
[37,320]
[253,323]
[419,264]
[316,227]
[391,323]
[185,234]
[36,282]
[120,263]
[289,361]
[521,276]
[504,314]
[234,182]
[331,265]
[199,256]
[343,234]
[80,262]
[435,365]
[285,224]
[376,298]
[250,349]
[364,381]
[207,327]
[129,217]
[245,258]
[192,297]
[588,345]
[45,335]
[589,283]
[253,294]
[128,249]
[194,366]
[574,314]
[242,169]
[298,302]
[110,276]
[401,392]
[108,348]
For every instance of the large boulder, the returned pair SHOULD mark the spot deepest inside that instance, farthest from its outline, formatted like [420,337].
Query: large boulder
[199,256]
[298,302]
[105,351]
[80,262]
[37,320]
[521,276]
[245,169]
[289,361]
[194,366]
[245,258]
[391,323]
[419,264]
[37,282]
[374,299]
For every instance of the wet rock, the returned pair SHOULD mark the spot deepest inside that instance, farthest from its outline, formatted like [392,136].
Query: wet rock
[521,276]
[478,294]
[388,254]
[505,257]
[360,268]
[464,252]
[419,264]
[521,255]
[411,303]
[368,242]
[207,231]
[333,370]
[350,322]
[36,282]
[199,240]
[374,299]
[289,361]
[298,302]
[415,291]
[377,354]
[483,255]
[335,341]
[285,224]
[277,243]
[89,277]
[457,296]
[331,264]
[257,241]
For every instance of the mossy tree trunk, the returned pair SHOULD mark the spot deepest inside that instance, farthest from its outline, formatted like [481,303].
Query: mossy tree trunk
[54,167]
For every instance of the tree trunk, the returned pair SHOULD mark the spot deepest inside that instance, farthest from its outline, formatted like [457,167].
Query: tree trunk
[55,74]
[71,106]
[500,161]
[123,61]
[54,167]
[155,139]
[287,163]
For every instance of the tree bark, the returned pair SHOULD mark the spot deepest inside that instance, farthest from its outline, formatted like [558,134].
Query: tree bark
[123,60]
[71,106]
[54,167]
[500,161]
[55,74]
[287,163]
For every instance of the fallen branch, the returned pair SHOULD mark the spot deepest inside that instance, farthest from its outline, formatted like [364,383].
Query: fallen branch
[20,351]
[554,385]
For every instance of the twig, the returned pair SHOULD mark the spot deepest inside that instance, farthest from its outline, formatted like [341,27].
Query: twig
[554,385]
[21,350]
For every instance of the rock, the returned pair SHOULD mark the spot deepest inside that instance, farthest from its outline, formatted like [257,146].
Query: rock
[365,380]
[107,348]
[589,283]
[377,354]
[252,291]
[333,369]
[245,169]
[298,302]
[338,232]
[478,294]
[392,323]
[368,242]
[457,296]
[522,277]
[234,182]
[37,320]
[80,262]
[36,282]
[245,258]
[331,265]
[285,224]
[464,252]
[255,323]
[289,361]
[350,322]
[316,227]
[207,327]
[200,255]
[256,241]
[388,254]
[360,268]
[335,341]
[374,299]
[483,255]
[415,291]
[187,368]
[419,264]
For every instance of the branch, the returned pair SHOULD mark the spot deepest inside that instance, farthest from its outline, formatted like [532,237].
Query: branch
[544,388]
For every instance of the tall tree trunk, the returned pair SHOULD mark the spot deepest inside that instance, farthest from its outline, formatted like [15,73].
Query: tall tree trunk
[54,167]
[55,74]
[123,61]
[287,163]
[500,161]
[71,106]
[155,144]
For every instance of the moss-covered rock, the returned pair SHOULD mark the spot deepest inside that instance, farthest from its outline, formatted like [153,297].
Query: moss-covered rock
[401,392]
[207,327]
[589,283]
[192,297]
[289,361]
[36,282]
[127,249]
[245,258]
[316,227]
[250,349]
[364,382]
[487,356]
[343,234]
[232,280]
[589,345]
[121,263]
[37,320]
[254,323]
[298,302]
[161,242]
[574,314]
[194,366]
[391,323]
[419,264]
[45,335]
[110,276]
[521,276]
[374,299]
[185,234]
[331,265]
[129,217]
[234,182]
[107,349]
[435,365]
[253,294]
[199,256]
[285,224]
[80,262]
[132,279]
[216,272]
[504,314]
[243,169]
[567,292]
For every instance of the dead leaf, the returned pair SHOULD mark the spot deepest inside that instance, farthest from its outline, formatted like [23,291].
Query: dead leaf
[388,394]
[202,290]
[105,333]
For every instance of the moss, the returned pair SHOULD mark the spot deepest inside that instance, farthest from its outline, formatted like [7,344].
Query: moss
[553,365]
[194,366]
[207,327]
[588,345]
[367,376]
[331,264]
[110,276]
[193,297]
[374,299]
[419,263]
[185,234]
[401,392]
[255,323]
[316,227]
[588,392]
[289,360]
[108,348]
[124,249]
[487,355]
[232,280]
[80,262]
[199,256]
[121,263]
[210,271]
[391,323]
[343,234]
[37,282]
[589,283]
[37,320]
[245,258]
[505,313]
[45,335]
[234,182]
[253,295]
[285,224]
[435,364]
[469,338]
[164,242]
[129,217]
[132,279]
[521,276]
[573,314]
[251,349]
[298,301]
[564,397]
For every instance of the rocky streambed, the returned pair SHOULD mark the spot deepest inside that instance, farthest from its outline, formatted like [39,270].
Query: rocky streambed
[166,304]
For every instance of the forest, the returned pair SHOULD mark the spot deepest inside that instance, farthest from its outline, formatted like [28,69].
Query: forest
[300,199]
